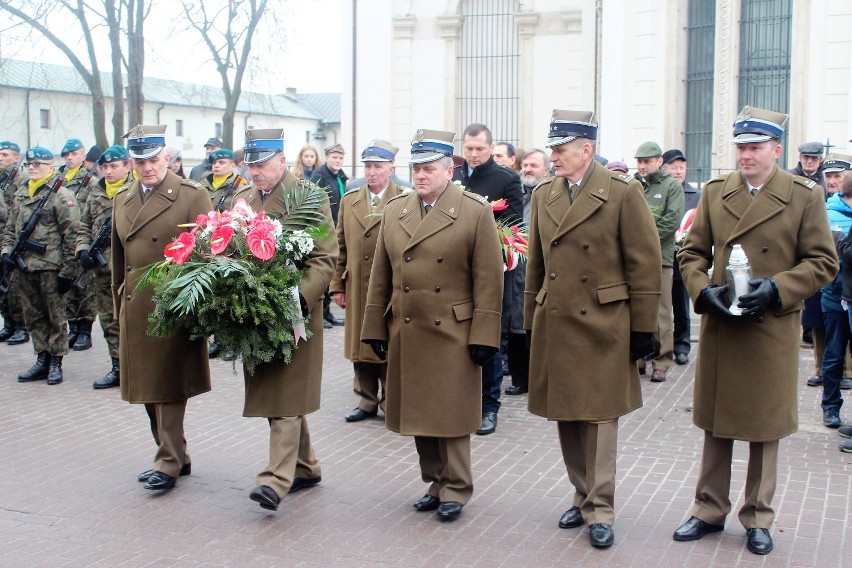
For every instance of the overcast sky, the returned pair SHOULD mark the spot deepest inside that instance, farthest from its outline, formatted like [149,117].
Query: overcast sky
[311,59]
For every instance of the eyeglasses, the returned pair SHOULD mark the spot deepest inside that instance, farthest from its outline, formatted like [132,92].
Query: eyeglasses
[36,164]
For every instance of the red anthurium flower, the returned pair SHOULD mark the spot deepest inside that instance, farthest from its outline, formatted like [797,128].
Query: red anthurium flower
[179,250]
[262,223]
[200,221]
[499,205]
[261,243]
[219,218]
[519,235]
[220,238]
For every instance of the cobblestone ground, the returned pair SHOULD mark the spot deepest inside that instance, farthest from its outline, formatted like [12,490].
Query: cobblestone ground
[69,495]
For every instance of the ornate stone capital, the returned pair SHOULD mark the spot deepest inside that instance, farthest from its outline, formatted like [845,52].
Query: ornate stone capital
[527,22]
[403,27]
[572,21]
[450,26]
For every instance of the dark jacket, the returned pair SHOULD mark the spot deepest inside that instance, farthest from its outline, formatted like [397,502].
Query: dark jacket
[327,180]
[493,181]
[817,177]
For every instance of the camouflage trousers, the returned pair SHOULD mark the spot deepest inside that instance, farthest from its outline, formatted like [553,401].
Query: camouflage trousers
[101,282]
[10,303]
[81,305]
[44,311]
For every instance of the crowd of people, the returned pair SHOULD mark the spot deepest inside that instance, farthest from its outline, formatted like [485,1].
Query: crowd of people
[436,313]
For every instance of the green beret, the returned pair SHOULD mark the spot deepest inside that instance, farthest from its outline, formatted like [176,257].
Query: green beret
[220,154]
[39,153]
[114,154]
[7,145]
[649,150]
[72,145]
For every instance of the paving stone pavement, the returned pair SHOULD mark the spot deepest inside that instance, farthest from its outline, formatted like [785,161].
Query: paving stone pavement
[69,495]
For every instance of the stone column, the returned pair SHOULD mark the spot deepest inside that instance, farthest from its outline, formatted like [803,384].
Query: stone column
[526,22]
[402,129]
[725,103]
[450,27]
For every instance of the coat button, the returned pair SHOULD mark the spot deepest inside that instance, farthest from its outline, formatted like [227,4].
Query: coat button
[154,238]
[407,259]
[583,311]
[366,257]
[367,234]
[129,239]
[406,288]
[437,288]
[553,276]
[554,243]
[583,278]
[760,318]
[129,296]
[407,320]
[129,268]
[440,259]
[585,245]
[765,249]
[437,322]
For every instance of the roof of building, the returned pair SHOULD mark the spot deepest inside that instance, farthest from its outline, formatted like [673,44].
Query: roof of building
[324,107]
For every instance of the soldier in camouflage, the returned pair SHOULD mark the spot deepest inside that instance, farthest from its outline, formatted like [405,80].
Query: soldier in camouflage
[48,277]
[80,304]
[97,213]
[14,331]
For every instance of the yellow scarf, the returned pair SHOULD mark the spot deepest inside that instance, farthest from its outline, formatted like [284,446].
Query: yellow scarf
[219,181]
[34,184]
[112,188]
[69,174]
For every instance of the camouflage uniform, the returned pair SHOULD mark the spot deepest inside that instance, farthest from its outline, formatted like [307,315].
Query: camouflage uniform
[43,306]
[230,187]
[80,306]
[10,304]
[97,211]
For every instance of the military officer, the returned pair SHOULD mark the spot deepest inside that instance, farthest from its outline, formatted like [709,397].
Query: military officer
[284,394]
[357,230]
[80,304]
[433,309]
[590,310]
[14,330]
[745,380]
[97,218]
[161,373]
[47,276]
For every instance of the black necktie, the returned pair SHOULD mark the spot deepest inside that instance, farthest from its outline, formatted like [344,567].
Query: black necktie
[427,208]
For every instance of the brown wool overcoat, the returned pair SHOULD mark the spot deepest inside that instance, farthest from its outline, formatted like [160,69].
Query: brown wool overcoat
[745,378]
[593,276]
[277,389]
[436,287]
[357,232]
[153,369]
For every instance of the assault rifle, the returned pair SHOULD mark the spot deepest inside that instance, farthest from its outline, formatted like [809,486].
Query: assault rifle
[24,243]
[220,205]
[89,175]
[96,252]
[9,176]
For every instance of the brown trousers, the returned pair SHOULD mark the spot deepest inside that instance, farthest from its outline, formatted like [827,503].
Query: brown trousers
[664,338]
[445,465]
[712,502]
[290,454]
[167,428]
[368,378]
[589,451]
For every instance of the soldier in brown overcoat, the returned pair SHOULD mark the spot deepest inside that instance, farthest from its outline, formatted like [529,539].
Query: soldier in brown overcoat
[745,380]
[433,307]
[357,231]
[285,393]
[590,304]
[159,372]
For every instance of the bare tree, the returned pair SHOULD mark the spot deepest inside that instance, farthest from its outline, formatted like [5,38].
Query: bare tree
[228,33]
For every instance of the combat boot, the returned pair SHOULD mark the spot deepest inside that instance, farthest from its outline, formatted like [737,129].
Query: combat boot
[20,336]
[110,379]
[84,335]
[37,372]
[8,330]
[73,333]
[55,375]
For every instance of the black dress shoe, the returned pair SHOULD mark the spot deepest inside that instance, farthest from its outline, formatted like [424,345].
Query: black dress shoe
[515,390]
[427,503]
[356,415]
[186,469]
[681,358]
[300,483]
[489,424]
[449,510]
[214,349]
[695,529]
[601,535]
[266,497]
[326,324]
[571,519]
[160,481]
[758,541]
[19,337]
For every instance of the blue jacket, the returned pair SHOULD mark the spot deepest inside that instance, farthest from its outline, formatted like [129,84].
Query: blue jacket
[839,218]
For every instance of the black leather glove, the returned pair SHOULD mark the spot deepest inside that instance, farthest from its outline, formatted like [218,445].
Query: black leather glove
[711,300]
[86,261]
[8,263]
[641,344]
[481,354]
[63,285]
[529,339]
[379,347]
[764,295]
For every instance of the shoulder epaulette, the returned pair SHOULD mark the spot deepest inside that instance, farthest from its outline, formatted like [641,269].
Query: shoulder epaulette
[353,190]
[475,196]
[395,197]
[626,178]
[720,177]
[546,181]
[808,183]
[191,183]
